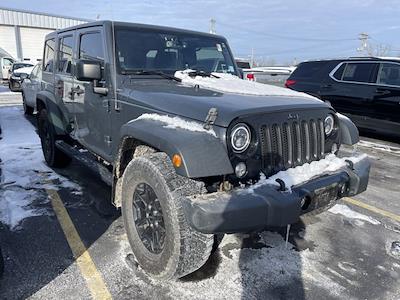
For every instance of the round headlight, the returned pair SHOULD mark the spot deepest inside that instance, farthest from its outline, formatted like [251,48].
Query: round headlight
[240,137]
[329,124]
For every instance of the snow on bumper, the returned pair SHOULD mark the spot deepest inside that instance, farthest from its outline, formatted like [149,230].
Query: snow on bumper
[265,205]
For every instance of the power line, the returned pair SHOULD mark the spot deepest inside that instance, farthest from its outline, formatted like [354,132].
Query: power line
[276,36]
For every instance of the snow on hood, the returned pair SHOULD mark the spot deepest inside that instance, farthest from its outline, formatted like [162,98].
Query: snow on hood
[176,122]
[25,70]
[228,83]
[304,173]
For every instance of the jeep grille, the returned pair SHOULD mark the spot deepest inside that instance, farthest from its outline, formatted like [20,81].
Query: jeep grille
[291,144]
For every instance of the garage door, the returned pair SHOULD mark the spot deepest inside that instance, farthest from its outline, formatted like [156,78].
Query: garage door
[7,40]
[32,41]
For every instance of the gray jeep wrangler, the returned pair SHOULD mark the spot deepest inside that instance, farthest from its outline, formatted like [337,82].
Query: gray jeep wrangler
[185,159]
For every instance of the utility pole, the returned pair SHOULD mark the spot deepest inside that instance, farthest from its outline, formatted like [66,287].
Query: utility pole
[212,26]
[252,58]
[363,37]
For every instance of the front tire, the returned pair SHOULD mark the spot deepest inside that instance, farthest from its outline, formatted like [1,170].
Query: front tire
[54,157]
[176,249]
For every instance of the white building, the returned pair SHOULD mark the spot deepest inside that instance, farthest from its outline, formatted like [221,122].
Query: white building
[22,32]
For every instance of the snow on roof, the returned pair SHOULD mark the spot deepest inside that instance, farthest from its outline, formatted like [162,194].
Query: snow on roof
[228,83]
[177,122]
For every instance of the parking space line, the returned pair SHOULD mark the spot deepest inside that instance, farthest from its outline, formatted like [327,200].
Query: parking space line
[92,276]
[373,209]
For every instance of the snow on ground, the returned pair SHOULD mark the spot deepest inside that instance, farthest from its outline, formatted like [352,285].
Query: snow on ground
[232,84]
[346,211]
[378,146]
[24,172]
[304,173]
[176,122]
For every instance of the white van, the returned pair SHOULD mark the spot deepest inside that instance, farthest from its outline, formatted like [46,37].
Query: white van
[5,65]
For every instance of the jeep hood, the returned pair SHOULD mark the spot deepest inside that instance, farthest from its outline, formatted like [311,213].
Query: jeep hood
[194,102]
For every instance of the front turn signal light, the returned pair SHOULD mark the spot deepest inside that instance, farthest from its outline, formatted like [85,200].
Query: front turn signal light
[177,160]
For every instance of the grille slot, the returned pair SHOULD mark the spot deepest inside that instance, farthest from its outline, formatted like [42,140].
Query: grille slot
[292,144]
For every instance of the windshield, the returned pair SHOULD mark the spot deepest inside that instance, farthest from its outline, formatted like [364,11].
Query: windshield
[139,49]
[20,65]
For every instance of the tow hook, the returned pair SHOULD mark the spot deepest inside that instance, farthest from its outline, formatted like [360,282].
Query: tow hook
[282,186]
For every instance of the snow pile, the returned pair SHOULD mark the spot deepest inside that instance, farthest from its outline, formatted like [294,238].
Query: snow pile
[176,122]
[24,172]
[228,83]
[304,173]
[340,209]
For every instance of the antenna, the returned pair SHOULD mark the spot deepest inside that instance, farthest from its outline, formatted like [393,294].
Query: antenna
[212,26]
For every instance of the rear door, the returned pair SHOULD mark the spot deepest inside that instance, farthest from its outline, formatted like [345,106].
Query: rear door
[351,88]
[64,72]
[93,121]
[386,102]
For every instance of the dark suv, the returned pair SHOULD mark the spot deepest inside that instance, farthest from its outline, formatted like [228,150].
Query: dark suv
[365,89]
[186,145]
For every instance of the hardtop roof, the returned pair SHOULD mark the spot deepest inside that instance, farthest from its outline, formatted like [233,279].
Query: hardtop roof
[133,25]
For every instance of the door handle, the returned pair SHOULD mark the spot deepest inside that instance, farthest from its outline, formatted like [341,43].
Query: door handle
[77,90]
[382,92]
[326,86]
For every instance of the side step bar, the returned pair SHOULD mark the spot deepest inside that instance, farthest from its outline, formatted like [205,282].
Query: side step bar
[87,160]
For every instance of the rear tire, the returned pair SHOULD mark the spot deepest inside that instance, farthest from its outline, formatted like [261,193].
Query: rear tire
[54,157]
[177,249]
[28,110]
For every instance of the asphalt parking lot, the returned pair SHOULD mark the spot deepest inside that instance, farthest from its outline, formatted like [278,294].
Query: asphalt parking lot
[74,246]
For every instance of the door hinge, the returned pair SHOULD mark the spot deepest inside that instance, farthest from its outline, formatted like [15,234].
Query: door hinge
[107,140]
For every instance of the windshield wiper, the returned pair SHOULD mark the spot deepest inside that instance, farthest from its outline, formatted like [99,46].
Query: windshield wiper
[194,73]
[152,72]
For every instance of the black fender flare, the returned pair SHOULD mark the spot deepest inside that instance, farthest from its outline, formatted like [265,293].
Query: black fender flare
[202,153]
[349,134]
[54,112]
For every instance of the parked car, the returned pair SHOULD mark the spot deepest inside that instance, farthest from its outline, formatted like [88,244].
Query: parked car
[18,65]
[5,66]
[15,80]
[365,89]
[31,85]
[183,157]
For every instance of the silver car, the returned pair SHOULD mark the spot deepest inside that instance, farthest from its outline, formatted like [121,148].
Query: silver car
[31,84]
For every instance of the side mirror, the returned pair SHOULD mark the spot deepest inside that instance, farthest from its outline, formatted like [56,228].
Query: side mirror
[23,76]
[87,70]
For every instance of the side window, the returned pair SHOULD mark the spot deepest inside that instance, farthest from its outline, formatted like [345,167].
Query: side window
[7,61]
[65,55]
[339,72]
[359,72]
[389,74]
[34,72]
[48,61]
[91,46]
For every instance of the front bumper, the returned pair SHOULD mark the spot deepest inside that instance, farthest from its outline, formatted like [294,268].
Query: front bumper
[243,211]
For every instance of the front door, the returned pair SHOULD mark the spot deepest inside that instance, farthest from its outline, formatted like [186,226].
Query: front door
[92,118]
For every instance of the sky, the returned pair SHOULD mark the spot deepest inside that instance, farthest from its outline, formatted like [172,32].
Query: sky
[275,31]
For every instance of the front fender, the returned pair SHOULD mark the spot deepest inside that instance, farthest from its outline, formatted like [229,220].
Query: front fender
[348,131]
[203,154]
